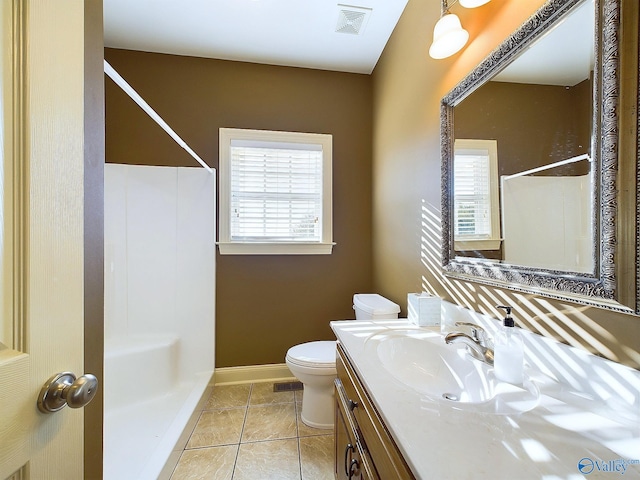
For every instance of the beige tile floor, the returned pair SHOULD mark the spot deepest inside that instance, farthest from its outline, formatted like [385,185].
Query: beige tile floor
[250,432]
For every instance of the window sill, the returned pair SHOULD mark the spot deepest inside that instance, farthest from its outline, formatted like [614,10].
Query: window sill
[255,248]
[484,244]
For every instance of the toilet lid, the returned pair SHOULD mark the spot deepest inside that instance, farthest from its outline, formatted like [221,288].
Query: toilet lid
[314,354]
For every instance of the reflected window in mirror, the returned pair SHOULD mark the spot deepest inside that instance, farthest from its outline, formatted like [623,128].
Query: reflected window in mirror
[476,207]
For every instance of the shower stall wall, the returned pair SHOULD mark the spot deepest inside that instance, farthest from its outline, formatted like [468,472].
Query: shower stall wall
[159,311]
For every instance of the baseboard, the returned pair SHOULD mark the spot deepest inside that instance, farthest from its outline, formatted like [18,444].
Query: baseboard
[252,374]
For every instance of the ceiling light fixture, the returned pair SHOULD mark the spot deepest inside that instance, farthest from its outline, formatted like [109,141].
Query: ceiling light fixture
[448,35]
[472,3]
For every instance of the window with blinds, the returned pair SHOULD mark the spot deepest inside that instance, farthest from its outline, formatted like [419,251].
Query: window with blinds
[275,192]
[475,184]
[472,196]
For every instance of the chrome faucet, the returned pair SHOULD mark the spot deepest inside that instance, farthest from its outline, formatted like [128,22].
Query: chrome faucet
[478,343]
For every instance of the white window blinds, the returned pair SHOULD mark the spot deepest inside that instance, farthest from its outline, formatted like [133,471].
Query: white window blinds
[276,192]
[472,195]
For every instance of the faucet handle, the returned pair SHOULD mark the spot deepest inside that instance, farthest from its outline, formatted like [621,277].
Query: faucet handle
[478,333]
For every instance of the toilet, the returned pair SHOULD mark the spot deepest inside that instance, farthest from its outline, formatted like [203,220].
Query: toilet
[314,363]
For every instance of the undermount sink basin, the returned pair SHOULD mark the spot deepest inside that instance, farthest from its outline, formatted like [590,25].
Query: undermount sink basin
[422,361]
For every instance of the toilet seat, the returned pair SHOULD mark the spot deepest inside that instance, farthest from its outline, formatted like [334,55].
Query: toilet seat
[314,364]
[321,354]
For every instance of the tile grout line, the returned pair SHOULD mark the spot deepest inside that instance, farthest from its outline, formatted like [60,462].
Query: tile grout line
[244,421]
[295,411]
[299,458]
[184,449]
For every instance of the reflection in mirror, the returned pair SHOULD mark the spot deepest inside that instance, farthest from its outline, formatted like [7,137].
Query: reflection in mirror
[548,220]
[549,98]
[475,195]
[538,113]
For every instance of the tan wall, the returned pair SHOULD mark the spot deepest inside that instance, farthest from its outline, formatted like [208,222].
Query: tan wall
[408,86]
[508,112]
[264,304]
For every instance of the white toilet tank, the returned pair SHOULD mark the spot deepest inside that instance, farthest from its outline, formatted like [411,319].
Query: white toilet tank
[371,306]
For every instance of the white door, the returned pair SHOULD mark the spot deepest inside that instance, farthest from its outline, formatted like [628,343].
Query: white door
[41,328]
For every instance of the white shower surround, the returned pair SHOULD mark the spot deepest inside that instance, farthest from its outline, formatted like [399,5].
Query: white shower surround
[159,311]
[547,222]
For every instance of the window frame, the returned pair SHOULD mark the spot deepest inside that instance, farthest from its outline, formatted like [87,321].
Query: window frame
[493,240]
[226,245]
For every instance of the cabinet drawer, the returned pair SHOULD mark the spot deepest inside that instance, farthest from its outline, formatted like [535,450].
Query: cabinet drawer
[387,460]
[352,461]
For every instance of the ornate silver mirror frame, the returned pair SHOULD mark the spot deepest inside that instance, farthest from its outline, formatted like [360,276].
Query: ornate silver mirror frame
[615,283]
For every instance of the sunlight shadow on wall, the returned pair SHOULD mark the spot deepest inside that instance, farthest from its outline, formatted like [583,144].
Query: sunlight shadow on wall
[567,323]
[431,258]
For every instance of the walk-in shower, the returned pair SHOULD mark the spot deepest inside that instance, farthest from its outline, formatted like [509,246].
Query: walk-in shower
[159,311]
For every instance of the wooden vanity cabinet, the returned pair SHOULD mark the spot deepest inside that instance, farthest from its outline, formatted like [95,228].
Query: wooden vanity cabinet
[364,448]
[351,461]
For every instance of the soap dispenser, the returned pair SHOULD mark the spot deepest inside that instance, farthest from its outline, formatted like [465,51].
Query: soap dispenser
[509,351]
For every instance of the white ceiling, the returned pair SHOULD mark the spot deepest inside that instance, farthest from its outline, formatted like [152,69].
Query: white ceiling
[299,33]
[564,56]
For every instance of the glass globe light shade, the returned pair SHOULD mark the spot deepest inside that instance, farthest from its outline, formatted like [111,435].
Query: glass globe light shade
[448,37]
[472,3]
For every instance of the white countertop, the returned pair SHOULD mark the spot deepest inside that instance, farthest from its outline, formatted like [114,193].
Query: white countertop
[547,442]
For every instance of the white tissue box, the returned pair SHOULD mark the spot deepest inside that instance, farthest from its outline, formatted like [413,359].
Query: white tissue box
[423,309]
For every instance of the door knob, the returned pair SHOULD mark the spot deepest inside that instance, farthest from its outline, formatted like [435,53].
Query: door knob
[65,389]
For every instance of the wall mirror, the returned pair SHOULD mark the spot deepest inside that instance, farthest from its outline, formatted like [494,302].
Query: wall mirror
[532,160]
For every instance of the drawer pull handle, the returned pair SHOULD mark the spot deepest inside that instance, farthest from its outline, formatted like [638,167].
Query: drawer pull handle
[354,468]
[352,405]
[350,448]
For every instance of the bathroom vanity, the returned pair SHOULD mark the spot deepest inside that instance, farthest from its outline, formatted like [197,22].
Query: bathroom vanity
[576,414]
[363,447]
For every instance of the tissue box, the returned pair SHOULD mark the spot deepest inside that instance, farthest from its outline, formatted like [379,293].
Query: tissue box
[423,309]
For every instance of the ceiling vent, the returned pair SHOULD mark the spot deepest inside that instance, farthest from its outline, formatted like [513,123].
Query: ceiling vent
[352,19]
